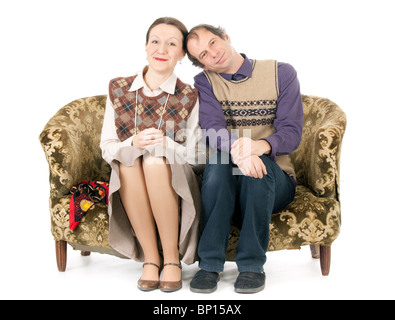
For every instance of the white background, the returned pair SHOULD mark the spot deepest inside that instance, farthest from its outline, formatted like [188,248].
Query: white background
[53,52]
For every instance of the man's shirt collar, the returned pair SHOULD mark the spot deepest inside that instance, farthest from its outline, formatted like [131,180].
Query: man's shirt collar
[244,71]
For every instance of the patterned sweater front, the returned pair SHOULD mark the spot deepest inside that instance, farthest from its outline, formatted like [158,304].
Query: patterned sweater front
[250,105]
[150,111]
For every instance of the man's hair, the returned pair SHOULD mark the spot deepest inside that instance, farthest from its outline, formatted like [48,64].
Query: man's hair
[218,31]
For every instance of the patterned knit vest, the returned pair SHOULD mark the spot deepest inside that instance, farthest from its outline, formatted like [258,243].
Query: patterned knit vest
[251,104]
[150,109]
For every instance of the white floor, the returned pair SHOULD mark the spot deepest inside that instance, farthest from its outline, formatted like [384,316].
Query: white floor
[290,275]
[363,260]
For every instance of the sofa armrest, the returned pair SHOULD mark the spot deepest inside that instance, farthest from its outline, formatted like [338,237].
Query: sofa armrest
[71,143]
[325,162]
[317,160]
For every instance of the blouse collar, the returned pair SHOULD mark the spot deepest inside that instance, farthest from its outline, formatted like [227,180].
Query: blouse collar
[168,86]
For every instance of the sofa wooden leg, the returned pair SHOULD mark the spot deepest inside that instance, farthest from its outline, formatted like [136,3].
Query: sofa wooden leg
[61,255]
[315,251]
[325,259]
[85,253]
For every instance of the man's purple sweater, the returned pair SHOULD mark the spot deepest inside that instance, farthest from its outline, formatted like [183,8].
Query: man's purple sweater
[288,123]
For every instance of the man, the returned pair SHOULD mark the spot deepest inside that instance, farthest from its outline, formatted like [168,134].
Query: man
[260,105]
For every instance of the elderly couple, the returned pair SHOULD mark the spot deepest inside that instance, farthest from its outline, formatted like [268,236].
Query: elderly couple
[248,111]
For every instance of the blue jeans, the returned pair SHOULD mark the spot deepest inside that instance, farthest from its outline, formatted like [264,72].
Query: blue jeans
[256,199]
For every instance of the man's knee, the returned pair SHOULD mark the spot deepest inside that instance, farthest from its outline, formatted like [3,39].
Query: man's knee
[220,158]
[216,171]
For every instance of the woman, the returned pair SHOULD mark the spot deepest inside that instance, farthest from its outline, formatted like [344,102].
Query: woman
[150,137]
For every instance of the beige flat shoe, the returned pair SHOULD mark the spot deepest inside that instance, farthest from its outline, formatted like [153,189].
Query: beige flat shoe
[171,286]
[149,285]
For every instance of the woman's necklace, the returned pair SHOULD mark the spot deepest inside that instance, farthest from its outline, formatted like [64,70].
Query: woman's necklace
[161,117]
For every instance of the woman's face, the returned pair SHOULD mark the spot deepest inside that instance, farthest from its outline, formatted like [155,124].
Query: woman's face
[164,48]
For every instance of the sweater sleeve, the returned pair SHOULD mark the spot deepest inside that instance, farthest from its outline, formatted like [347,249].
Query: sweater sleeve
[288,124]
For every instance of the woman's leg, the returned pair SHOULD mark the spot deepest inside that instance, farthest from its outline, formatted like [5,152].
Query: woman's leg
[135,200]
[165,207]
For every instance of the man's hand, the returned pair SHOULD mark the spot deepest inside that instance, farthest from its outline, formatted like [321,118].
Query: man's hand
[245,154]
[244,147]
[252,167]
[148,137]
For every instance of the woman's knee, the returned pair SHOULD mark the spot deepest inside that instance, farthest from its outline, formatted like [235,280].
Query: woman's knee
[130,170]
[149,160]
[156,170]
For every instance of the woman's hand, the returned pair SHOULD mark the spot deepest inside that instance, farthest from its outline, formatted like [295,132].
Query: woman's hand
[148,137]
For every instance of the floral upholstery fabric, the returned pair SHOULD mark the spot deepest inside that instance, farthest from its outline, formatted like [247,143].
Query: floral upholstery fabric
[71,140]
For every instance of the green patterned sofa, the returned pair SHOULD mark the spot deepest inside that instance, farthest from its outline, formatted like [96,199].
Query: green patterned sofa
[71,140]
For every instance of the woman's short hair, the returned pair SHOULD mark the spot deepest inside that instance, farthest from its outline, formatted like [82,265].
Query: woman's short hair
[173,22]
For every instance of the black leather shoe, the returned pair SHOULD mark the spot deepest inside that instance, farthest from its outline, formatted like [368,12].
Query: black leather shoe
[250,282]
[204,282]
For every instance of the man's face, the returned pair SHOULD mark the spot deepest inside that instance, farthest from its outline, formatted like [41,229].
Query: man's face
[215,53]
